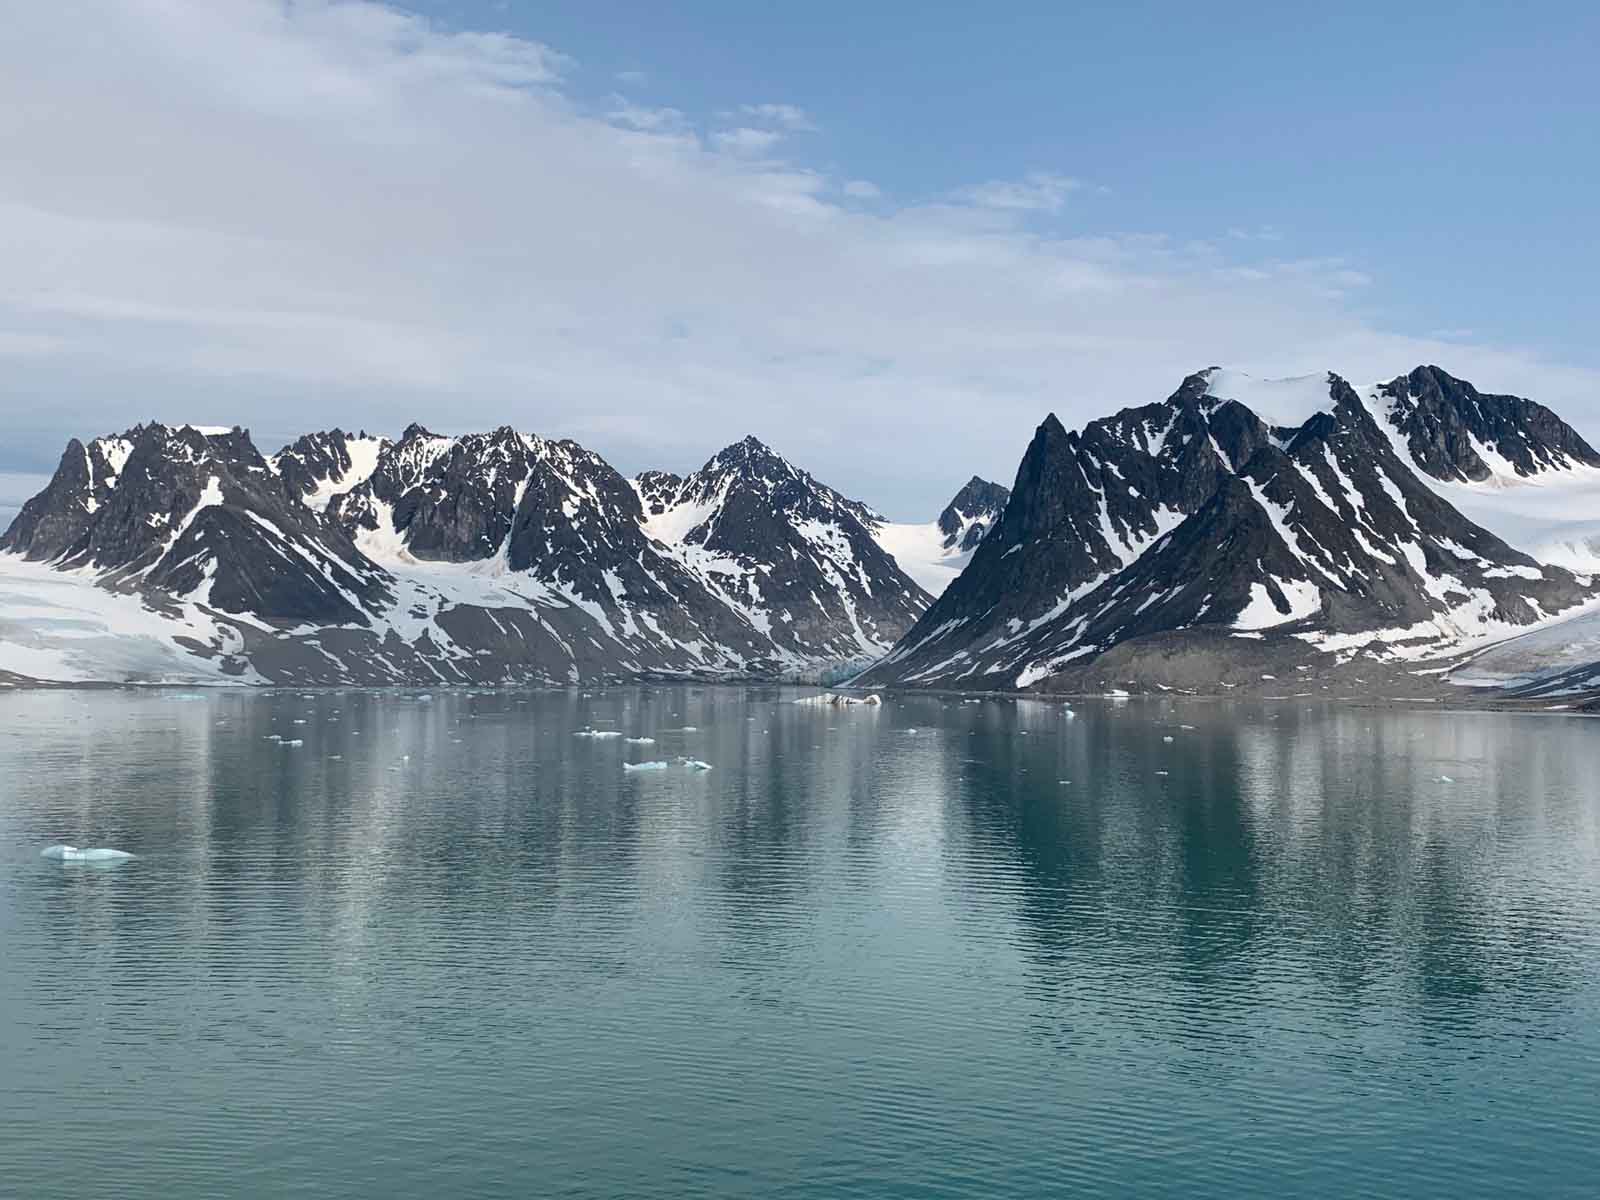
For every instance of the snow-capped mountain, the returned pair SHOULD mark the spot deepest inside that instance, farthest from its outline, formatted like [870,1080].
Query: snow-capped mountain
[935,552]
[1299,513]
[197,514]
[792,555]
[182,553]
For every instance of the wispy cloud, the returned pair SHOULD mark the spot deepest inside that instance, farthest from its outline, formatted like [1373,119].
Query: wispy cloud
[785,116]
[745,140]
[1041,191]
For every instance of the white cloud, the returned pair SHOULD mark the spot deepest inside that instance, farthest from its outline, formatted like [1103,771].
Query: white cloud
[745,140]
[1041,191]
[650,120]
[786,116]
[862,189]
[293,216]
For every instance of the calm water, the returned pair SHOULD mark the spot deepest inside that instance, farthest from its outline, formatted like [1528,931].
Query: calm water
[871,953]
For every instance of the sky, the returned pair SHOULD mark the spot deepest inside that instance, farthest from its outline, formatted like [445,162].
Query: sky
[887,239]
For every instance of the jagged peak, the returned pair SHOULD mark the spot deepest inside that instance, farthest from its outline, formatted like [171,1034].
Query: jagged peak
[749,451]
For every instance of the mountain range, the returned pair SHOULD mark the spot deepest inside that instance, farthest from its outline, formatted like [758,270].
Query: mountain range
[1237,530]
[497,557]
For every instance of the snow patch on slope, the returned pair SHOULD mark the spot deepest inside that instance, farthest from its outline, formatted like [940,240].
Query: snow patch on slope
[59,627]
[1283,403]
[920,551]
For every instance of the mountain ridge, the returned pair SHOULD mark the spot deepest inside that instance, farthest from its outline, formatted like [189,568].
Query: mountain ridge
[1195,516]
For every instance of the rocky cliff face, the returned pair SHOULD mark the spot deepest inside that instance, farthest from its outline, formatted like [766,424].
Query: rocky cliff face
[1199,519]
[1450,430]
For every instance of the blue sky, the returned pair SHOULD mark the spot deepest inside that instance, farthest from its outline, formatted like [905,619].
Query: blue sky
[1453,148]
[887,238]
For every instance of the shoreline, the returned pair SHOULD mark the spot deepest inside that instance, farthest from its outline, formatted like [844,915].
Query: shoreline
[1459,698]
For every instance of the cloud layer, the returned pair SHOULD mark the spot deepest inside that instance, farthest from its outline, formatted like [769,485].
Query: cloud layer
[294,216]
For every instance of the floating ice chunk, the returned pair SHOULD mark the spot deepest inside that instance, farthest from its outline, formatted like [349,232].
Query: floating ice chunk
[84,854]
[1162,772]
[835,700]
[691,729]
[598,733]
[1167,738]
[1445,779]
[658,765]
[298,721]
[292,742]
[640,741]
[694,764]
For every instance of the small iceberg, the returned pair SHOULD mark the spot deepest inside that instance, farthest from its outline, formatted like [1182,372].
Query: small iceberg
[598,733]
[694,764]
[84,854]
[835,700]
[640,741]
[646,766]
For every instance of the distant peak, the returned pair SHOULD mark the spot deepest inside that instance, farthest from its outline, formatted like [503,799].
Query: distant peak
[417,430]
[749,452]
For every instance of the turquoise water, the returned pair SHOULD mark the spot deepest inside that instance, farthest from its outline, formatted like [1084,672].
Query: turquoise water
[870,953]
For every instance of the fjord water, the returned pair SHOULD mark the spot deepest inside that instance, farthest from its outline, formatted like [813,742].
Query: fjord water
[447,948]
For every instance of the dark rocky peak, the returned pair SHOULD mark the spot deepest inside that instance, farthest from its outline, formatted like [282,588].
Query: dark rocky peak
[969,516]
[750,461]
[1454,431]
[749,474]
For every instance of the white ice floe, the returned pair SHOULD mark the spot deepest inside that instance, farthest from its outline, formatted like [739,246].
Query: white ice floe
[836,700]
[657,765]
[84,854]
[640,741]
[600,734]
